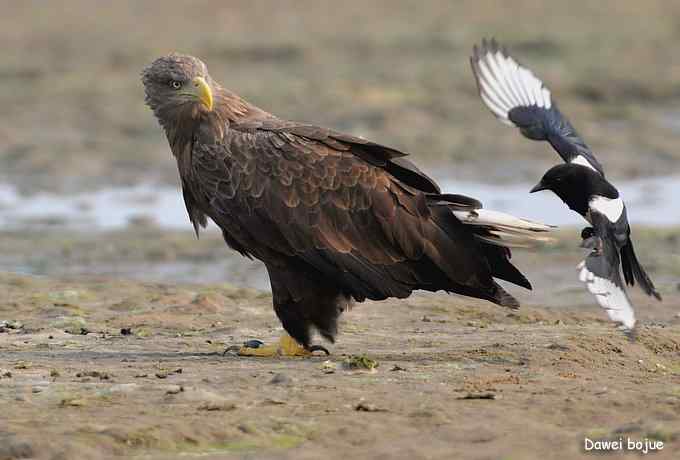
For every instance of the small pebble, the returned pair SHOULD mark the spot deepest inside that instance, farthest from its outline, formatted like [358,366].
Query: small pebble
[364,406]
[328,367]
[173,390]
[280,379]
[95,374]
[217,406]
[479,396]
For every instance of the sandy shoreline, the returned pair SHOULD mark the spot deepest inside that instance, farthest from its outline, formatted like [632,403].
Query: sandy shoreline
[93,360]
[162,389]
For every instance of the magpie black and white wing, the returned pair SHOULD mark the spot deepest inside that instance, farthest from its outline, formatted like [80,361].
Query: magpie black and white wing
[518,98]
[601,274]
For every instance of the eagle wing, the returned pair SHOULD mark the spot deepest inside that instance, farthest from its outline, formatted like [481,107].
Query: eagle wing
[518,98]
[351,209]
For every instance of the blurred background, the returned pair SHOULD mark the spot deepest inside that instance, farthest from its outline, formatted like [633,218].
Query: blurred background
[88,184]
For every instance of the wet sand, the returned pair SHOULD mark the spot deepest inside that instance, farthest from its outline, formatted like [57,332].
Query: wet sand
[106,366]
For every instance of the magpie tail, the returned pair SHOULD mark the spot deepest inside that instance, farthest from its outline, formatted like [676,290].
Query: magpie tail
[633,271]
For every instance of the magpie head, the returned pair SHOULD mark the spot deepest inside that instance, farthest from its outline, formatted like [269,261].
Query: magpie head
[563,178]
[571,182]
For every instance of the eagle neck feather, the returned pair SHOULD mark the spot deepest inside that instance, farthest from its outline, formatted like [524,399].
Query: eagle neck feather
[191,125]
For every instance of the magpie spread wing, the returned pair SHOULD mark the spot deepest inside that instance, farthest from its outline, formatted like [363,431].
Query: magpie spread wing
[601,274]
[518,98]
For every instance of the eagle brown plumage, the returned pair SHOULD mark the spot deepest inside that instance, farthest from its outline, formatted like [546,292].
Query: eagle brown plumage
[333,217]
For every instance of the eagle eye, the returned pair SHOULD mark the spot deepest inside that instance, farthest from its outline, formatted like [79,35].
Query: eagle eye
[175,84]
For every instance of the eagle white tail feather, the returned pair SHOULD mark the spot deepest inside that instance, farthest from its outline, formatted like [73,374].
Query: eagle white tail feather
[488,218]
[504,229]
[514,240]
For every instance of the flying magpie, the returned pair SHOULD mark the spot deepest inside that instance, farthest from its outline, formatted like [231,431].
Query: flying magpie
[518,98]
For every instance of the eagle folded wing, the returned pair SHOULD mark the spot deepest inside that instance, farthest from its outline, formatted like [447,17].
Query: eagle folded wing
[302,196]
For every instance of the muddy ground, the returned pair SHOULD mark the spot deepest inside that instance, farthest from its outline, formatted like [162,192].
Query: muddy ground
[101,366]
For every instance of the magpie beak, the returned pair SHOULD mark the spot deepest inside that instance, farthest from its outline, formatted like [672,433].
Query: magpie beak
[538,187]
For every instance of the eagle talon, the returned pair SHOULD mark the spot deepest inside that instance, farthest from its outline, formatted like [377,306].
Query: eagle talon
[230,349]
[286,346]
[314,348]
[254,343]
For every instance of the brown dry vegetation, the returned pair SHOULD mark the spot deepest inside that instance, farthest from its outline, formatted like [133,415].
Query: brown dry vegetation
[394,71]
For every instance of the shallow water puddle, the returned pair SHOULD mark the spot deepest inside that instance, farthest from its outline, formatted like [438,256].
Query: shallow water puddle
[653,201]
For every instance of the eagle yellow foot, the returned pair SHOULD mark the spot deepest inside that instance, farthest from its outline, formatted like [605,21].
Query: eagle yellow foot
[287,346]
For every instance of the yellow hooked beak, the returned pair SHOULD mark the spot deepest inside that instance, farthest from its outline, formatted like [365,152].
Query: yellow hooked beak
[203,92]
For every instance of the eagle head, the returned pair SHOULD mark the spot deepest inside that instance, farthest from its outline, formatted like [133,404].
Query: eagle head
[178,86]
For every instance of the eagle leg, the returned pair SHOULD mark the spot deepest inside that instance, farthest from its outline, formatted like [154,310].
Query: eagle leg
[287,346]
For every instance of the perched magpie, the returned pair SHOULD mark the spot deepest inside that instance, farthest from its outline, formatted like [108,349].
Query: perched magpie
[517,98]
